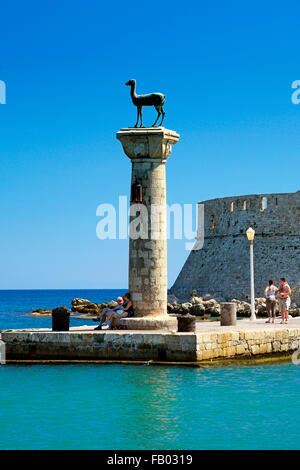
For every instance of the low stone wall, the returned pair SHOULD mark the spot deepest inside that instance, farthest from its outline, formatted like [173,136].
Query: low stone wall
[214,345]
[146,346]
[159,346]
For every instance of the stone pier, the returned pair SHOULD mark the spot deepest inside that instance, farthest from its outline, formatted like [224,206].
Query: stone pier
[148,150]
[210,342]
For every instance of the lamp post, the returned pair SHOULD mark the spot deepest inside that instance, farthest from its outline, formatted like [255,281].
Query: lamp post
[250,235]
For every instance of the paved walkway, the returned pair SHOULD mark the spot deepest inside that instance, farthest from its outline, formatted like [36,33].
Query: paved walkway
[201,327]
[246,325]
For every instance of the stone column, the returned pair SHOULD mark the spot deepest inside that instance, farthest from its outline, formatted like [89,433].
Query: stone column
[148,150]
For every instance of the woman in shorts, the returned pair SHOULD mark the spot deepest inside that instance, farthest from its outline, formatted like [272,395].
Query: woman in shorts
[270,294]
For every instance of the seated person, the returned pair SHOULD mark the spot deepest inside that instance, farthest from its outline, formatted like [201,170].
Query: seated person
[107,311]
[127,311]
[127,305]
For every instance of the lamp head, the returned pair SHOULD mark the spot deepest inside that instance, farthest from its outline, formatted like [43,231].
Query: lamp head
[250,234]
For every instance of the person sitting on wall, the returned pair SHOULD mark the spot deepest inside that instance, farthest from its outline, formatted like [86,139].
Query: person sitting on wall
[106,312]
[127,312]
[284,292]
[270,294]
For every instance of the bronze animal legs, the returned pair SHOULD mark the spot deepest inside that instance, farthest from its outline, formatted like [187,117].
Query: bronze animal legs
[163,117]
[139,115]
[160,112]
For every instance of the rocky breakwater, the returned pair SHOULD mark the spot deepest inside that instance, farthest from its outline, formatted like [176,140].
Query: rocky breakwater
[87,309]
[205,307]
[81,308]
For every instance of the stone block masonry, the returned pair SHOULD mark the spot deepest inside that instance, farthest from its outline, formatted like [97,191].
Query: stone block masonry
[221,267]
[210,342]
[148,150]
[230,344]
[89,345]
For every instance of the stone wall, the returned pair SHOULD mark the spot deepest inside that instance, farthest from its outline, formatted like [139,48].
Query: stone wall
[146,346]
[221,267]
[215,345]
[165,346]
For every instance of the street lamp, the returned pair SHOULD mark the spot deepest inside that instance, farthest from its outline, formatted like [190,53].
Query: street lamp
[250,235]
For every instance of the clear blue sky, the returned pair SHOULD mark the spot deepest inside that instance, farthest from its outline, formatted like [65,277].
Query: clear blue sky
[226,69]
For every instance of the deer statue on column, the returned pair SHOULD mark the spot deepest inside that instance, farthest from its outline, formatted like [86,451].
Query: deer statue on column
[152,99]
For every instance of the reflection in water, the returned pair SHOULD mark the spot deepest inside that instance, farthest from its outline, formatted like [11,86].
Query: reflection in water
[149,407]
[154,395]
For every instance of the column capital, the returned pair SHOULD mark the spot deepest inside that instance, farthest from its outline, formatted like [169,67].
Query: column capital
[147,142]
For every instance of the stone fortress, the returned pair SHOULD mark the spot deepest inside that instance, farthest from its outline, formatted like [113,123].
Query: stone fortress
[221,267]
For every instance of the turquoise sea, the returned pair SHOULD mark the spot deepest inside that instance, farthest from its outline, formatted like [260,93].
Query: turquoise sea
[95,406]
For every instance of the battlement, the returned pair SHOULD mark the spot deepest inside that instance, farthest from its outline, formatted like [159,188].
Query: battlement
[221,267]
[266,213]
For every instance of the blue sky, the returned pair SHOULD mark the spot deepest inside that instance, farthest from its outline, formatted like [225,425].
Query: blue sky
[226,69]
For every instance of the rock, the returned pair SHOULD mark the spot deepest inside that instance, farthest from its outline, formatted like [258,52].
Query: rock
[175,307]
[185,307]
[85,306]
[260,307]
[197,309]
[77,303]
[207,297]
[211,307]
[170,308]
[40,311]
[243,309]
[295,312]
[91,309]
[196,300]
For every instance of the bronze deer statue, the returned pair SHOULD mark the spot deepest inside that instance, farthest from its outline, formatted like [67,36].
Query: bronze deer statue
[152,99]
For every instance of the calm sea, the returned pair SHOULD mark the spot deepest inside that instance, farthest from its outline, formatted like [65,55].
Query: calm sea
[139,407]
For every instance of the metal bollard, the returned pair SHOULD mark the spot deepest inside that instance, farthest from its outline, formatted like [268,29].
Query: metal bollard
[228,313]
[60,319]
[186,323]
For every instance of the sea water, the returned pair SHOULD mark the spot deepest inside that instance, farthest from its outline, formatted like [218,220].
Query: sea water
[117,406]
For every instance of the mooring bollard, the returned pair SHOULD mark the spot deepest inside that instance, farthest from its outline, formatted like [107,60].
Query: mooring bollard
[60,319]
[186,323]
[2,352]
[228,313]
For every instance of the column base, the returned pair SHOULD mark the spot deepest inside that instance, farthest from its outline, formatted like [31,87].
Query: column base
[162,322]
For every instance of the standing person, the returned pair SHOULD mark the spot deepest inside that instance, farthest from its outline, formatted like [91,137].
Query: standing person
[284,292]
[270,294]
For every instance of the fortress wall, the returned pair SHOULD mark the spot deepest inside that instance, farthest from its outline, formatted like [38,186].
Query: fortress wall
[221,267]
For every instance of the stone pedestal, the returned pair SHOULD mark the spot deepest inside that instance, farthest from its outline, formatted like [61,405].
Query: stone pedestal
[148,150]
[228,313]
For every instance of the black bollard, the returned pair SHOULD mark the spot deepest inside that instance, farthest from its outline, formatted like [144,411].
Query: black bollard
[186,323]
[60,319]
